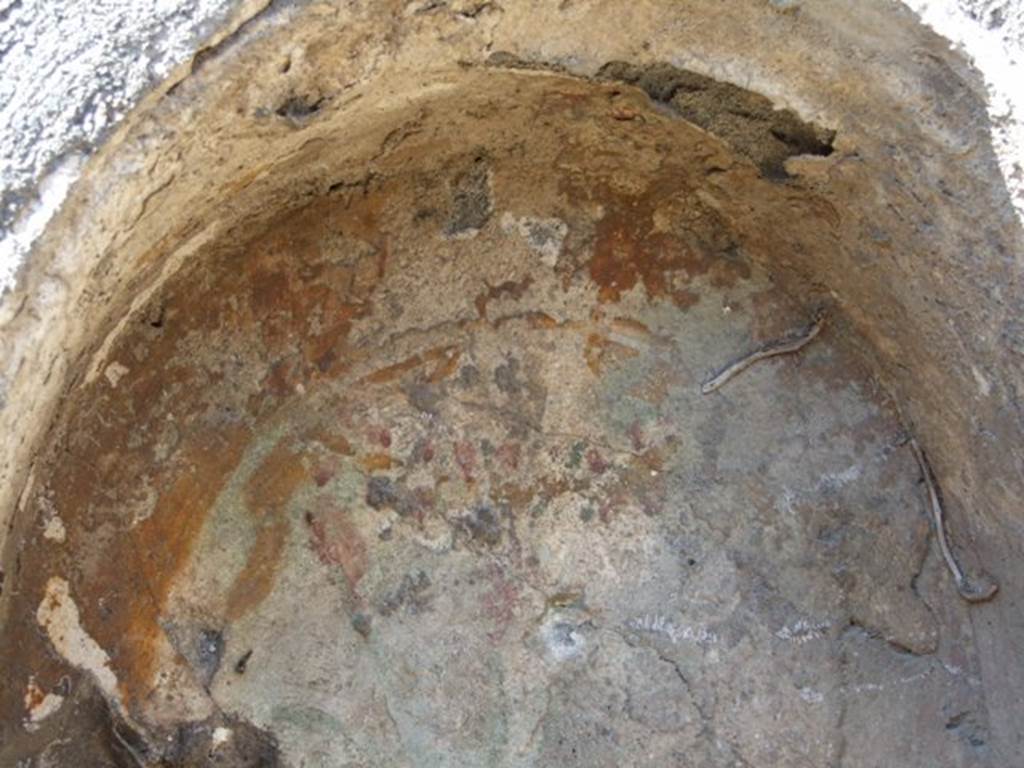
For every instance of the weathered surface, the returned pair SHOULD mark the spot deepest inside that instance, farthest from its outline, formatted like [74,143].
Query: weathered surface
[70,73]
[390,447]
[505,527]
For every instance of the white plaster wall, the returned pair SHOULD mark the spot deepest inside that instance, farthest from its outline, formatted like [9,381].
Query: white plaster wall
[991,34]
[69,71]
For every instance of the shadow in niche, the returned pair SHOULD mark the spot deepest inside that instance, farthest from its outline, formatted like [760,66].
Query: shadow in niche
[745,120]
[104,738]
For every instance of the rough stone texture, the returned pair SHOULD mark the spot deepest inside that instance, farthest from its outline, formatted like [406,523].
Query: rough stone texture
[71,71]
[380,438]
[505,528]
[991,34]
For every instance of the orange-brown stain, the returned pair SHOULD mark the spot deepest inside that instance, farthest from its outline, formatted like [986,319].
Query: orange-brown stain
[447,364]
[535,319]
[392,372]
[376,462]
[593,351]
[283,303]
[157,550]
[599,350]
[512,289]
[542,321]
[631,248]
[446,359]
[332,440]
[631,326]
[266,496]
[553,487]
[34,695]
[518,497]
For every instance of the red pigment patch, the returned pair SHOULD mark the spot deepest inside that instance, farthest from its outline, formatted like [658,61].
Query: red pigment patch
[322,475]
[596,462]
[465,457]
[379,435]
[337,543]
[499,604]
[509,455]
[267,493]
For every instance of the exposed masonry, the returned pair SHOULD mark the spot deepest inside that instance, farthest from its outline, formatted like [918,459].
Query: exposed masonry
[468,517]
[524,510]
[73,71]
[747,121]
